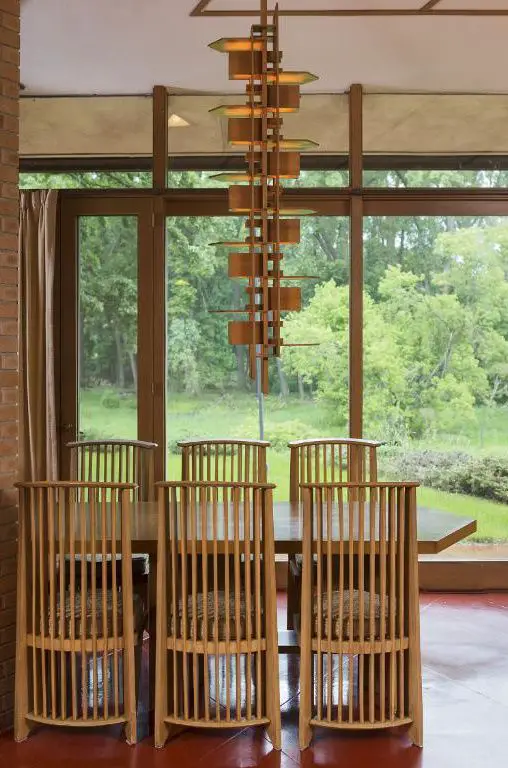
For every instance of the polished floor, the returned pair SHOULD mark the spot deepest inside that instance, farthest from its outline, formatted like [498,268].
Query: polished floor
[465,681]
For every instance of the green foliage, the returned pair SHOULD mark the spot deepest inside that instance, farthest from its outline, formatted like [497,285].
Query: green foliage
[432,468]
[455,471]
[281,433]
[486,477]
[110,399]
[435,330]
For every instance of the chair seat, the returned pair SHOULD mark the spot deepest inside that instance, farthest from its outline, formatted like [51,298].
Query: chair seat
[215,623]
[341,630]
[103,627]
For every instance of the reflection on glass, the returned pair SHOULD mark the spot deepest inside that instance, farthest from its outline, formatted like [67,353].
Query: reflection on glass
[108,299]
[435,360]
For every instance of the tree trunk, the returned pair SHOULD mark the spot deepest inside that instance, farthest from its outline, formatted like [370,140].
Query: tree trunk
[120,374]
[134,368]
[283,382]
[240,367]
[301,388]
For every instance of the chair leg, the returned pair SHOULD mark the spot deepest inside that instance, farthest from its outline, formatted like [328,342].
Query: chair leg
[161,728]
[306,675]
[130,728]
[415,698]
[272,684]
[304,727]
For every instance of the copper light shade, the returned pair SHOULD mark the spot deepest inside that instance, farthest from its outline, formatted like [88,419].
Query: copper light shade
[270,156]
[247,65]
[247,199]
[243,133]
[285,165]
[285,99]
[288,230]
[227,44]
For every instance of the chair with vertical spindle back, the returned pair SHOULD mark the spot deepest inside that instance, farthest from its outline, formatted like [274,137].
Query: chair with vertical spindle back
[324,460]
[118,461]
[76,638]
[225,461]
[115,461]
[360,665]
[217,655]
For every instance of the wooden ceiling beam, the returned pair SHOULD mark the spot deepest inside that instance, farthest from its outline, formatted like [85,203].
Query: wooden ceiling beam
[430,8]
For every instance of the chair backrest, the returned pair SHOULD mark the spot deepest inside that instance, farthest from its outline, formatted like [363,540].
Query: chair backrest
[115,461]
[216,556]
[331,460]
[360,601]
[224,461]
[70,630]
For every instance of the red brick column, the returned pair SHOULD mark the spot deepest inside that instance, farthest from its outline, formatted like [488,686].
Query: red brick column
[9,193]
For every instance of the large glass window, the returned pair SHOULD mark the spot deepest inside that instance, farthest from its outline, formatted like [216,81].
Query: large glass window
[108,326]
[309,384]
[436,362]
[208,391]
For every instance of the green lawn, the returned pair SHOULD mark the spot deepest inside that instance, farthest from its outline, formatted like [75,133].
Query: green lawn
[234,415]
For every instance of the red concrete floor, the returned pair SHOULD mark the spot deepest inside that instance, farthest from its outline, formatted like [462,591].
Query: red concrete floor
[465,682]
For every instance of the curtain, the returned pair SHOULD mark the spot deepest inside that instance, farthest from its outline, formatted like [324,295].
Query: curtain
[37,255]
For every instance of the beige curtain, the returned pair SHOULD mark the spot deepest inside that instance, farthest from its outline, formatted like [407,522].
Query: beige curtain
[37,254]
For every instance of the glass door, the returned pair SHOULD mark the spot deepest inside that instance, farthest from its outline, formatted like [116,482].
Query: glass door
[106,280]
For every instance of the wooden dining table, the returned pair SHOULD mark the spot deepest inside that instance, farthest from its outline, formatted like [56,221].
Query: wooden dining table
[436,530]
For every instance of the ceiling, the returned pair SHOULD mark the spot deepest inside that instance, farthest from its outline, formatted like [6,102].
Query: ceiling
[128,46]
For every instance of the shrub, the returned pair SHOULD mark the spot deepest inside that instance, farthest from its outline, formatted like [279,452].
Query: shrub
[483,476]
[486,477]
[110,399]
[281,433]
[432,468]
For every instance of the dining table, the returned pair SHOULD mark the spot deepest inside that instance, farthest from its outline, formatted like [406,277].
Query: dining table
[436,531]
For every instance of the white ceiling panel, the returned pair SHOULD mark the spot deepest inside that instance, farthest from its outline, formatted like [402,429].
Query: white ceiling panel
[473,5]
[127,46]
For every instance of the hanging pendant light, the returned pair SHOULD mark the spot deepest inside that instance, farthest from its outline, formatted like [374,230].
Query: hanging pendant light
[257,126]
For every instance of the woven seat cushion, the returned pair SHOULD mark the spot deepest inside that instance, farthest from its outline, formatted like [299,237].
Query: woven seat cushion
[342,631]
[214,625]
[104,622]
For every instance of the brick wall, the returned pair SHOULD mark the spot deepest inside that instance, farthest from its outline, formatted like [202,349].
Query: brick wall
[9,136]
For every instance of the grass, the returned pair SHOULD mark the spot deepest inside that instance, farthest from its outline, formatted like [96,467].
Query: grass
[492,516]
[235,415]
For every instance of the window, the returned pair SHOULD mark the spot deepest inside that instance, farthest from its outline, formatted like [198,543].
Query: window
[108,326]
[436,362]
[86,180]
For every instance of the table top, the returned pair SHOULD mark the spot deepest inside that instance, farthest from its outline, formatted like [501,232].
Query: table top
[436,530]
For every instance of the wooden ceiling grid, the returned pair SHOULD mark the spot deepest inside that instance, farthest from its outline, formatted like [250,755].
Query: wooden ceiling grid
[429,8]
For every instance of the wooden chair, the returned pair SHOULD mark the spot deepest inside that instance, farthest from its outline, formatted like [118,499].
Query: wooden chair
[225,461]
[324,460]
[118,461]
[115,461]
[217,655]
[360,620]
[75,661]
